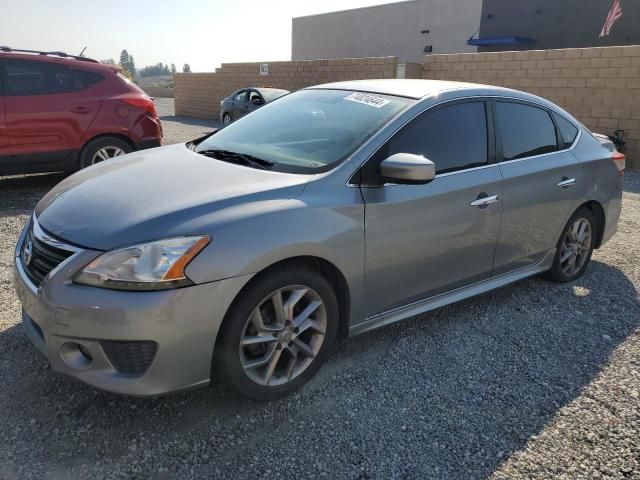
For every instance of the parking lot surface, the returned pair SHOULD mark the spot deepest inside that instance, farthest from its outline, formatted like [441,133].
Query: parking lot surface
[535,380]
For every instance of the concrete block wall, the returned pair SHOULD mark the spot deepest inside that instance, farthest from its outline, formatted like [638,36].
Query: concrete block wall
[599,86]
[199,94]
[158,92]
[194,94]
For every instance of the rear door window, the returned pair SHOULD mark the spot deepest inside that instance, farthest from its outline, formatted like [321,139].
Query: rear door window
[568,131]
[453,137]
[526,130]
[27,77]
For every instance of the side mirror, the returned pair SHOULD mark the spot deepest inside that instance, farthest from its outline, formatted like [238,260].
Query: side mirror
[408,168]
[257,101]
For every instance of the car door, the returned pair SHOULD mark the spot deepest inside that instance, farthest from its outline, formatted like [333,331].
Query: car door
[422,240]
[541,183]
[240,104]
[47,110]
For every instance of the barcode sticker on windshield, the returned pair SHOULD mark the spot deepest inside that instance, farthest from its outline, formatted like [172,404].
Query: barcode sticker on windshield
[367,99]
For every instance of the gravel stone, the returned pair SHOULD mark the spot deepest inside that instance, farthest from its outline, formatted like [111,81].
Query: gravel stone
[535,380]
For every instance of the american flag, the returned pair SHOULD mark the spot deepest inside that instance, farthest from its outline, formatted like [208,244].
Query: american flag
[614,14]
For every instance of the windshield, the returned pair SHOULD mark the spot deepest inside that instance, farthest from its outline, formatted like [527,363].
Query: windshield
[307,131]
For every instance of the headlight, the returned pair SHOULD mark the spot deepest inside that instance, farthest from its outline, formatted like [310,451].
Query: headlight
[148,266]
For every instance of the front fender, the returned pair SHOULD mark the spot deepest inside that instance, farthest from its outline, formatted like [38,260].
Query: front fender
[316,224]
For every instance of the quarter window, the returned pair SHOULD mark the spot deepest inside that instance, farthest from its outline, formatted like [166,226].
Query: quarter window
[526,131]
[568,131]
[453,137]
[37,78]
[86,79]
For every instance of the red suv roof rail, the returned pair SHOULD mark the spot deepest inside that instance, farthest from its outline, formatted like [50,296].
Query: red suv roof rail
[57,54]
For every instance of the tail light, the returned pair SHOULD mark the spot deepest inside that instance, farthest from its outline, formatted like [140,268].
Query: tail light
[619,161]
[142,102]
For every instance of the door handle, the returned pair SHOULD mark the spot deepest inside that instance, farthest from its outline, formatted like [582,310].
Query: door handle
[566,183]
[80,109]
[484,201]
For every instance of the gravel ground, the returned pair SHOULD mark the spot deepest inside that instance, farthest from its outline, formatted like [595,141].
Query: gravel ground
[536,380]
[178,129]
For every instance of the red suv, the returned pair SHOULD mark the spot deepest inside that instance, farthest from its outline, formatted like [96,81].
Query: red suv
[60,112]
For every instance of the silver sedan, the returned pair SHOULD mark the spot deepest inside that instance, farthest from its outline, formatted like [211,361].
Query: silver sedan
[331,211]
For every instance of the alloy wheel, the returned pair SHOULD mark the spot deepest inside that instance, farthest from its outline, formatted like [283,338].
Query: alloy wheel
[226,120]
[575,247]
[105,153]
[283,335]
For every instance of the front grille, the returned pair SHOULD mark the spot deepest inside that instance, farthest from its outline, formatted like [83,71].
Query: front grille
[130,357]
[39,258]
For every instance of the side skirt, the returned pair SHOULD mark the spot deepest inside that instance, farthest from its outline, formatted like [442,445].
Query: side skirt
[431,303]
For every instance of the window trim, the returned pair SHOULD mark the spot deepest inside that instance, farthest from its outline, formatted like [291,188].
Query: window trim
[559,132]
[492,159]
[5,75]
[550,112]
[2,80]
[354,179]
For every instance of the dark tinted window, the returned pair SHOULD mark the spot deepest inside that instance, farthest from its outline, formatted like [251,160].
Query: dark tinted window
[37,78]
[86,79]
[453,137]
[568,131]
[526,130]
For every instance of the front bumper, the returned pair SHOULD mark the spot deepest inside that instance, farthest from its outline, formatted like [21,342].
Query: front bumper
[71,324]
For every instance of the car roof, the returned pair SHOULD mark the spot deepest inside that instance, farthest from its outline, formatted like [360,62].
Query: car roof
[412,88]
[53,57]
[263,89]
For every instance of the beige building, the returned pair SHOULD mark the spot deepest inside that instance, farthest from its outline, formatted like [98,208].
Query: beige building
[405,30]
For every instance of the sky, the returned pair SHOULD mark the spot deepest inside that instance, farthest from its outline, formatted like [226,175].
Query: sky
[199,32]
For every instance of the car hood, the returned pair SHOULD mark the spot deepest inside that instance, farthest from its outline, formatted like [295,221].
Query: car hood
[157,193]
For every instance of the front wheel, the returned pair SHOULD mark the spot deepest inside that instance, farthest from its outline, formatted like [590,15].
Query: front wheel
[101,149]
[226,119]
[574,248]
[277,334]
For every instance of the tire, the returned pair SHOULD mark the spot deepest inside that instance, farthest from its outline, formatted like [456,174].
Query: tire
[559,272]
[235,364]
[227,119]
[101,149]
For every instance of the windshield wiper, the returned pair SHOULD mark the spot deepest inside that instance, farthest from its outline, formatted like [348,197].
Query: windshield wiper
[228,155]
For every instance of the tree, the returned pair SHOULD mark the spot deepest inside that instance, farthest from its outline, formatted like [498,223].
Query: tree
[173,69]
[127,63]
[124,58]
[132,65]
[186,68]
[108,61]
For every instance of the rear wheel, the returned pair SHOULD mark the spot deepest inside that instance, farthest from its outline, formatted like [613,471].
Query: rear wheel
[102,149]
[277,334]
[226,119]
[574,248]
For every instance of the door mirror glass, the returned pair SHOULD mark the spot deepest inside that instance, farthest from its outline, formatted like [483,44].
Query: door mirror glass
[408,168]
[257,101]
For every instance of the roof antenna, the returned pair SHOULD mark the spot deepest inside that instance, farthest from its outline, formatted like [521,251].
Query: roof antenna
[82,52]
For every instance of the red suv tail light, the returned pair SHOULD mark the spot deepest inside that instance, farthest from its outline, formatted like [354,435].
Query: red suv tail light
[141,102]
[619,161]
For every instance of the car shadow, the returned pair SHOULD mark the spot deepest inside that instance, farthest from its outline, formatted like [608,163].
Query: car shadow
[19,194]
[459,389]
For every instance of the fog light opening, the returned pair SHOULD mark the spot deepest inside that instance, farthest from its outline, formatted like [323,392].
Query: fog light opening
[75,355]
